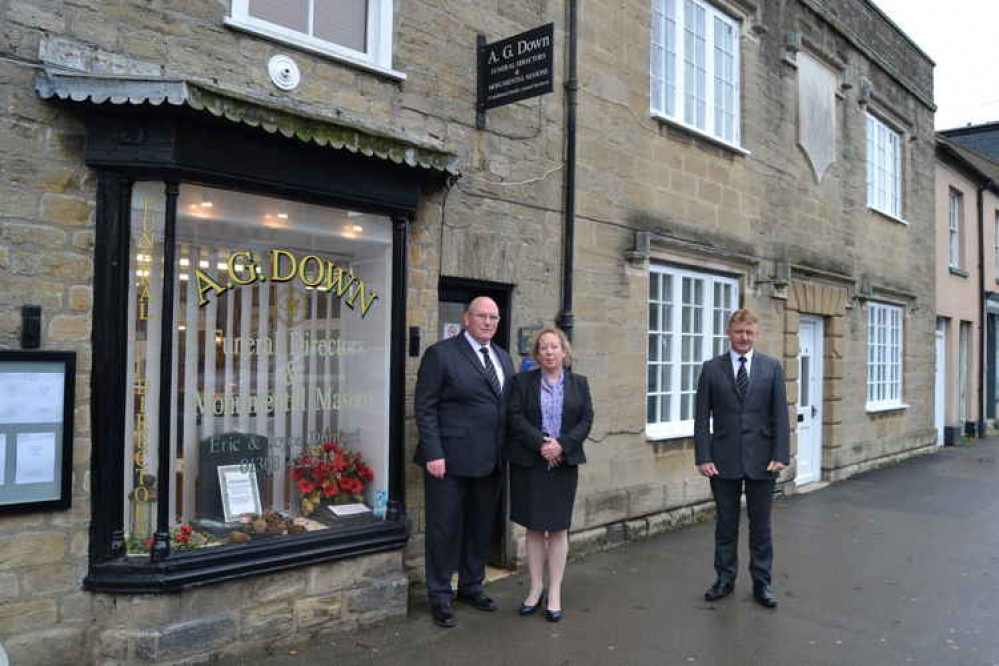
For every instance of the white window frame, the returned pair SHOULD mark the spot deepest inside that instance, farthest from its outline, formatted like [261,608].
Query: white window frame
[995,245]
[955,227]
[377,58]
[885,346]
[673,56]
[884,167]
[713,318]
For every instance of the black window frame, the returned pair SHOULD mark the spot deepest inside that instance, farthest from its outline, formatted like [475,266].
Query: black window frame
[178,146]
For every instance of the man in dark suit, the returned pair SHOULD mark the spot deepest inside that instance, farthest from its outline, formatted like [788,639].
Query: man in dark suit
[459,416]
[741,394]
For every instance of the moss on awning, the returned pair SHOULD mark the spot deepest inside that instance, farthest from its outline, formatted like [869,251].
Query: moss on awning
[291,123]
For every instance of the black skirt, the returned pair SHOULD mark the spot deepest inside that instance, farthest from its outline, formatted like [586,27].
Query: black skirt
[542,498]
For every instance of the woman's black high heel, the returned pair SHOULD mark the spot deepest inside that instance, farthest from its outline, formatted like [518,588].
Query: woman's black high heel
[531,610]
[553,616]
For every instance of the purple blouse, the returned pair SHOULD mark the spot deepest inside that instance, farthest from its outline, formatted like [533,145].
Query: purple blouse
[552,395]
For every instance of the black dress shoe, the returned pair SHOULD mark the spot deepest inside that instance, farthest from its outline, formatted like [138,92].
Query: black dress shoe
[531,610]
[478,600]
[443,615]
[553,616]
[718,591]
[764,595]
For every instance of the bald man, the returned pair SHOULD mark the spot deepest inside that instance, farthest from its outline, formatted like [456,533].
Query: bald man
[459,416]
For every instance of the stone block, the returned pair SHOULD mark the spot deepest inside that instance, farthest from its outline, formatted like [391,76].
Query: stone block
[69,328]
[81,298]
[9,587]
[386,597]
[66,210]
[17,290]
[636,529]
[83,240]
[49,579]
[279,586]
[76,608]
[18,617]
[36,16]
[792,321]
[315,611]
[17,233]
[271,620]
[645,499]
[38,548]
[606,507]
[180,640]
[54,647]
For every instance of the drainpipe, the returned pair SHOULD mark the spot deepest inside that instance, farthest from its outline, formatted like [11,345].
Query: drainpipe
[982,308]
[565,319]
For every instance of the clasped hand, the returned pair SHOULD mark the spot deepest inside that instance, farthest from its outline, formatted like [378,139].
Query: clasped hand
[551,451]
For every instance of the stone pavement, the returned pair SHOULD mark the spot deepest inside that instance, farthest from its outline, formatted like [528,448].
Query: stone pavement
[896,566]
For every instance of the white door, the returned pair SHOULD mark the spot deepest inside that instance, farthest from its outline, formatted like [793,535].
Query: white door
[939,393]
[809,426]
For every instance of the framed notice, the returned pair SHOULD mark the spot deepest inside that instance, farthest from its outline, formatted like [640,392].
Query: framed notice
[36,430]
[240,493]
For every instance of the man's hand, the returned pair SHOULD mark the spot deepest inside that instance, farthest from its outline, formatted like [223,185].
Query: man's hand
[775,466]
[708,469]
[436,468]
[551,450]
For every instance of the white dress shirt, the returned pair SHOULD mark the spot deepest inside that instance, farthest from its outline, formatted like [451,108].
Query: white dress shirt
[735,362]
[476,345]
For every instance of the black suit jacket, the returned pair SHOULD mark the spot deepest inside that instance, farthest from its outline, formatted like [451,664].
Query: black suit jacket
[748,433]
[524,438]
[458,414]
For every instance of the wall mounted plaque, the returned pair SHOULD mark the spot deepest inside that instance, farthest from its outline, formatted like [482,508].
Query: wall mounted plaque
[36,430]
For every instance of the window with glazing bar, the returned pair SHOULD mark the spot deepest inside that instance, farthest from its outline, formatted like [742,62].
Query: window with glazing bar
[694,67]
[688,313]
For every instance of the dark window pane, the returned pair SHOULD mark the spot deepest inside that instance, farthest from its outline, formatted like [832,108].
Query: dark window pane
[292,14]
[343,22]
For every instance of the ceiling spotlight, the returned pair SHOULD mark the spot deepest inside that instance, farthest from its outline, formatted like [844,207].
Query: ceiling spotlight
[357,228]
[206,202]
[282,216]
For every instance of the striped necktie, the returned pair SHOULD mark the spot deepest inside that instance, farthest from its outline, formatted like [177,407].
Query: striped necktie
[742,379]
[490,370]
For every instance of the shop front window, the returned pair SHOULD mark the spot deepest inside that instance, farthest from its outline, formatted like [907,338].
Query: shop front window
[279,377]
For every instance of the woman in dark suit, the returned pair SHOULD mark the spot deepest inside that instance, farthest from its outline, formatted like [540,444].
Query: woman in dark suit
[549,415]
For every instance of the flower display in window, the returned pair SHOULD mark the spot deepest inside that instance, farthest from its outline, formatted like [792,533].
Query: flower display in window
[330,474]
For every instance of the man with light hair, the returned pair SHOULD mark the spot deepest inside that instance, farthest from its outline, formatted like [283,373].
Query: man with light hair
[742,442]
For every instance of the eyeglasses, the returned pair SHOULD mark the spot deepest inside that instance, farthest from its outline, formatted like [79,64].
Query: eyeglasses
[482,316]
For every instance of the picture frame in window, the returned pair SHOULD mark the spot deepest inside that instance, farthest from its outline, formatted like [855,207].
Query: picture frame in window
[240,492]
[36,430]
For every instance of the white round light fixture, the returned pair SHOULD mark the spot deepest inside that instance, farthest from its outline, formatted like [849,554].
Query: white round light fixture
[284,72]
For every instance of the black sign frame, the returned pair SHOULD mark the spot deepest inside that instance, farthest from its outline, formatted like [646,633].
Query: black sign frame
[47,495]
[515,68]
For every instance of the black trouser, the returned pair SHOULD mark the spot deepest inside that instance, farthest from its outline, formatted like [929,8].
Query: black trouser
[458,514]
[759,499]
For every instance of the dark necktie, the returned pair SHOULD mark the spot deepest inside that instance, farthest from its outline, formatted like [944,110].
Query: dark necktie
[490,369]
[742,379]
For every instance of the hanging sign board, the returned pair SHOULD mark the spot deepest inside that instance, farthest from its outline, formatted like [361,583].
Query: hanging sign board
[516,68]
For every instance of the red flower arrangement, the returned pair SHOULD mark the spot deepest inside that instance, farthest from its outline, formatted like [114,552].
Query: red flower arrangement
[330,473]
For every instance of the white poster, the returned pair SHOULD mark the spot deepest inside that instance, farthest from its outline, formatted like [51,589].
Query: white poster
[239,491]
[3,457]
[31,397]
[36,457]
